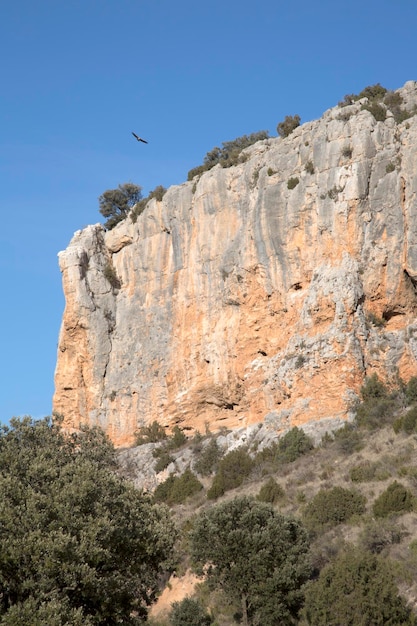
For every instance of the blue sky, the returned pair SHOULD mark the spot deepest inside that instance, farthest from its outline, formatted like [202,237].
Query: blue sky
[78,76]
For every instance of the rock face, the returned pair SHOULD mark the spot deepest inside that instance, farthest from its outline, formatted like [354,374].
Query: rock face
[245,296]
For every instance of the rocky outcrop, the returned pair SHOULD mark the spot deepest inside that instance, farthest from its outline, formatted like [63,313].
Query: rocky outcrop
[245,296]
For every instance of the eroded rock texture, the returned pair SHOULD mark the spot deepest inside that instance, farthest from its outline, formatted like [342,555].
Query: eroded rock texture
[238,300]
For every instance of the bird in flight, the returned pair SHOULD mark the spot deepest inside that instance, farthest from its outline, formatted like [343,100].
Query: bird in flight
[139,138]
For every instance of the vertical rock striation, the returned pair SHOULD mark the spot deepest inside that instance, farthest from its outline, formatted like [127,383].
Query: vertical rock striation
[244,296]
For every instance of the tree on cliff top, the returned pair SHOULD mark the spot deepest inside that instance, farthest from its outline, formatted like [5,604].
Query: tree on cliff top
[78,544]
[257,556]
[286,127]
[115,204]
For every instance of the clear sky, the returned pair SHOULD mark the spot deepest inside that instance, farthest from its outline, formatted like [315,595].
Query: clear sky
[77,76]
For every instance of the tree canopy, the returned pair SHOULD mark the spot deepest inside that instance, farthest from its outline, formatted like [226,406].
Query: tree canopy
[259,557]
[115,204]
[78,544]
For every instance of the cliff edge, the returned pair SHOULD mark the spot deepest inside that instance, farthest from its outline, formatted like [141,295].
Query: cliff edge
[264,292]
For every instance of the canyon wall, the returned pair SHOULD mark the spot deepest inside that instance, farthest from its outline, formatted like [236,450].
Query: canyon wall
[246,297]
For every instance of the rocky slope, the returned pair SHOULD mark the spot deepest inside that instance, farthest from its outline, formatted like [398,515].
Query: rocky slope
[243,297]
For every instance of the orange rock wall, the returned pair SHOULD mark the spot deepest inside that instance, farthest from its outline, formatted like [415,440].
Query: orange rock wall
[241,300]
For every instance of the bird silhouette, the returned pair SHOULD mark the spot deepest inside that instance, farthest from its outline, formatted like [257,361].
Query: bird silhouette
[139,138]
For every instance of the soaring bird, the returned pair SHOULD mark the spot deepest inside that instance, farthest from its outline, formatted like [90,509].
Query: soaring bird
[139,138]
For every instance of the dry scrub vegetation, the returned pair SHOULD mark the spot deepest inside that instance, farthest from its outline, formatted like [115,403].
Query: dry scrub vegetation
[357,489]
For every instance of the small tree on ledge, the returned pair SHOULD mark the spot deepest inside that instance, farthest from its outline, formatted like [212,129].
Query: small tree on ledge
[115,204]
[286,127]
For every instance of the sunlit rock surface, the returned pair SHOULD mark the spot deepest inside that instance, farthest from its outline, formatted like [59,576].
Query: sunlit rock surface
[237,300]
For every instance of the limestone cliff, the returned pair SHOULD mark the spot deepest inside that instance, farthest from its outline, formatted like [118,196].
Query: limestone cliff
[245,297]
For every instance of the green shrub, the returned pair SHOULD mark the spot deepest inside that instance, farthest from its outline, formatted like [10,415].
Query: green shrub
[163,461]
[367,472]
[232,471]
[293,444]
[270,492]
[176,489]
[374,414]
[357,589]
[189,612]
[218,487]
[300,360]
[157,433]
[152,433]
[267,455]
[378,110]
[178,438]
[333,193]
[255,177]
[292,182]
[390,167]
[347,152]
[162,492]
[230,153]
[395,499]
[196,171]
[158,193]
[309,167]
[407,422]
[408,470]
[333,506]
[287,449]
[373,388]
[348,439]
[184,487]
[197,442]
[400,115]
[111,276]
[348,99]
[378,535]
[378,96]
[209,458]
[346,115]
[394,101]
[411,390]
[363,473]
[139,207]
[378,406]
[374,93]
[288,125]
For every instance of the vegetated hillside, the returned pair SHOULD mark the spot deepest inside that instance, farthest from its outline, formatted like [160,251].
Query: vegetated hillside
[354,491]
[262,290]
